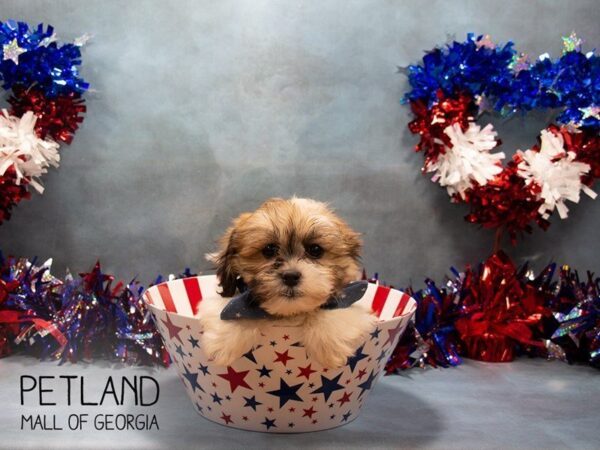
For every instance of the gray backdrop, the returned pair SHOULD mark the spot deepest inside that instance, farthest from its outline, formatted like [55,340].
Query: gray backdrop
[204,109]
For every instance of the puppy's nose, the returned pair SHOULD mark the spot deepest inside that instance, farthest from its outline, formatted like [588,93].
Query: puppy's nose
[291,277]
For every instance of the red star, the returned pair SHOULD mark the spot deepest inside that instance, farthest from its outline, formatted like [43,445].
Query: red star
[305,371]
[314,399]
[285,337]
[270,409]
[261,384]
[292,409]
[308,412]
[393,333]
[214,384]
[348,381]
[361,373]
[283,357]
[235,379]
[345,398]
[172,329]
[314,421]
[245,418]
[226,418]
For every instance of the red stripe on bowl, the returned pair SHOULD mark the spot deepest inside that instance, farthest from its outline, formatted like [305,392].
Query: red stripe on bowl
[403,302]
[192,287]
[165,294]
[148,298]
[381,295]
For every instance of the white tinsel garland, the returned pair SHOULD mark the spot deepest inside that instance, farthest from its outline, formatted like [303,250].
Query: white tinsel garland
[556,172]
[468,160]
[21,148]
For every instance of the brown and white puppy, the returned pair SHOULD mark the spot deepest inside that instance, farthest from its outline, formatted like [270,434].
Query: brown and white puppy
[293,255]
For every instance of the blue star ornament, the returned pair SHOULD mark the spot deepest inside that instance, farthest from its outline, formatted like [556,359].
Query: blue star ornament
[367,384]
[328,386]
[286,392]
[192,378]
[264,372]
[180,351]
[269,423]
[216,398]
[251,402]
[354,359]
[194,342]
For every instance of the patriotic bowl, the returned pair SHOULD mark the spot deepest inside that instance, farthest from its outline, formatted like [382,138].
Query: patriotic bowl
[274,387]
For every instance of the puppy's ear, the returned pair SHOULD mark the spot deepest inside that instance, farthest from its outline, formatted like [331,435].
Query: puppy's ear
[224,258]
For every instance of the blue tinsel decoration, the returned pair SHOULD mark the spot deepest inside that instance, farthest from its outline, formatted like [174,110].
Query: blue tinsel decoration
[51,68]
[568,83]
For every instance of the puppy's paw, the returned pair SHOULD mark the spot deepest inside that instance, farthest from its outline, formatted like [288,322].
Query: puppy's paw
[224,342]
[332,336]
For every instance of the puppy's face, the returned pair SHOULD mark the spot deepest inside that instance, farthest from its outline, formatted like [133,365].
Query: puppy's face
[293,254]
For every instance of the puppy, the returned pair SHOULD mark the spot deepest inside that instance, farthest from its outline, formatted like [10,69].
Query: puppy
[294,255]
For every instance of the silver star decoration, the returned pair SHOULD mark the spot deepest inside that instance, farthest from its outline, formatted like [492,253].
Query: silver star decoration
[48,40]
[12,51]
[82,40]
[591,111]
[485,41]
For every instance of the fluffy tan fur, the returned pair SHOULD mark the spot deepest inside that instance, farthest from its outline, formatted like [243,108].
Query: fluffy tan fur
[299,236]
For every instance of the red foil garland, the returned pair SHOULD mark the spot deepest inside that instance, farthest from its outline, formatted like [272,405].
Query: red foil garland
[57,117]
[11,193]
[499,312]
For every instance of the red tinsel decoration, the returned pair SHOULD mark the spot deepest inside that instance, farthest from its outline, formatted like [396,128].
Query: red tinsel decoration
[505,203]
[430,122]
[11,193]
[57,117]
[498,311]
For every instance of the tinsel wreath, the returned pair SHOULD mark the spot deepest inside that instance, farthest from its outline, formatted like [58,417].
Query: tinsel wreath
[46,106]
[454,86]
[498,311]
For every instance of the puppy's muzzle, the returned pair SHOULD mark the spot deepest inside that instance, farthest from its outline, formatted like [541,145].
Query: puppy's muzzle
[291,278]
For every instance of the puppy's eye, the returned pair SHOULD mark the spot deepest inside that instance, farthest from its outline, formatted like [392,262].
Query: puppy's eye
[270,250]
[314,250]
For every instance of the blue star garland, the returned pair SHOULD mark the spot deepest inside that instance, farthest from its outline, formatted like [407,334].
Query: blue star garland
[51,67]
[568,83]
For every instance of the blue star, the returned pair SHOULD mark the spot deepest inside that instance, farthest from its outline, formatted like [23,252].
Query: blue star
[264,372]
[251,402]
[286,393]
[269,423]
[216,398]
[192,378]
[289,371]
[375,334]
[180,351]
[204,369]
[353,360]
[194,342]
[368,384]
[380,357]
[346,416]
[250,356]
[273,343]
[328,386]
